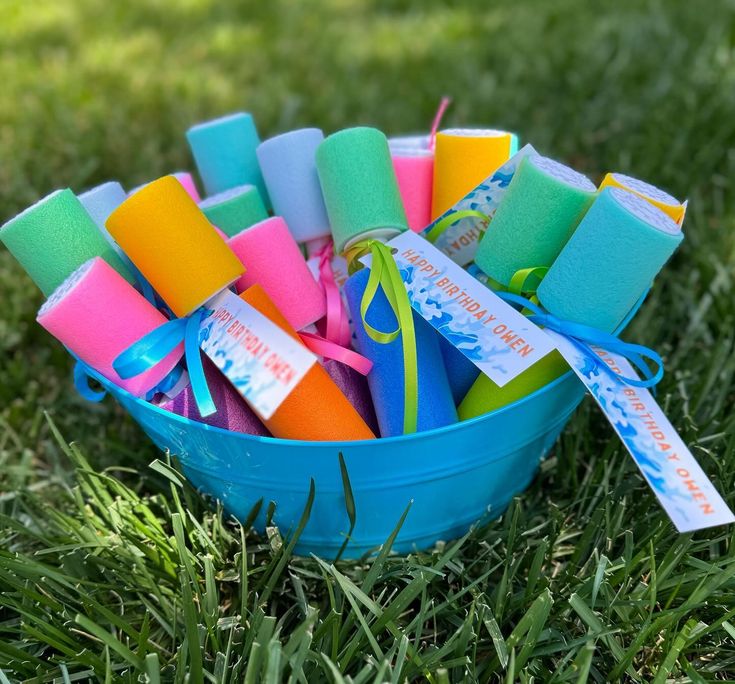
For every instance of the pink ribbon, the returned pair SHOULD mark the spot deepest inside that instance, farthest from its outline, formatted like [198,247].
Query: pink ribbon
[338,326]
[445,102]
[330,350]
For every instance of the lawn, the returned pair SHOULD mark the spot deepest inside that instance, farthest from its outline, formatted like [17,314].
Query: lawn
[114,570]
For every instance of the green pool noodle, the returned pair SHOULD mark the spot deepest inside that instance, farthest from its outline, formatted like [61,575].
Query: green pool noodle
[55,236]
[542,206]
[234,210]
[359,186]
[485,396]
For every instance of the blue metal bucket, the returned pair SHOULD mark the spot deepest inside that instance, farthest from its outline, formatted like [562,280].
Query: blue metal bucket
[452,476]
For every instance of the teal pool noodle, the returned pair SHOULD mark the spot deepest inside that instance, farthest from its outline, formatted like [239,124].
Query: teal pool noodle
[611,260]
[224,153]
[542,206]
[54,237]
[360,187]
[234,210]
[386,379]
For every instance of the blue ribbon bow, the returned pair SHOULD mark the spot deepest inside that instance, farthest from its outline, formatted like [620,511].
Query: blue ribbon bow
[585,336]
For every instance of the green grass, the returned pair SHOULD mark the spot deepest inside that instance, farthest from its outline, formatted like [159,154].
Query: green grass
[112,570]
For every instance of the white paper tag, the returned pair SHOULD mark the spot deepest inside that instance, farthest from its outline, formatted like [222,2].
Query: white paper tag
[680,484]
[459,242]
[262,361]
[499,340]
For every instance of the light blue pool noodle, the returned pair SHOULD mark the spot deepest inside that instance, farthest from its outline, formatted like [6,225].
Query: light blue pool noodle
[610,261]
[386,379]
[100,201]
[288,165]
[224,152]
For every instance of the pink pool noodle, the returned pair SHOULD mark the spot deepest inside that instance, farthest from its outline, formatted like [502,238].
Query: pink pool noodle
[273,260]
[414,169]
[187,180]
[97,314]
[232,412]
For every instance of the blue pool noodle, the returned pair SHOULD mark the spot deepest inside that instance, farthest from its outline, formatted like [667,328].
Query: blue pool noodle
[461,372]
[435,403]
[100,201]
[224,152]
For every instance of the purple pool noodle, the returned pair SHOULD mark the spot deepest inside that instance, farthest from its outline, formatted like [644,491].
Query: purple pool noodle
[232,412]
[354,387]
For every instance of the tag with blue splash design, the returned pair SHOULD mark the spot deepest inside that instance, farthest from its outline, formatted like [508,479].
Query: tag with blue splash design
[459,241]
[262,361]
[680,484]
[499,340]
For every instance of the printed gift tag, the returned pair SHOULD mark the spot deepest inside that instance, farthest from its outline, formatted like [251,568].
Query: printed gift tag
[680,484]
[255,355]
[499,340]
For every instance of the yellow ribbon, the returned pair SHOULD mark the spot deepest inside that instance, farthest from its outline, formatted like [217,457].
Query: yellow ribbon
[384,274]
[450,219]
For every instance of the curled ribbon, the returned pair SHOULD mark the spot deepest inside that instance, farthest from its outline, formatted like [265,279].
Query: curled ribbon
[152,348]
[384,274]
[330,350]
[338,327]
[450,219]
[585,336]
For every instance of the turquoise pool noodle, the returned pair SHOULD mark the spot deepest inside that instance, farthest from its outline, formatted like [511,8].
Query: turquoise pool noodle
[610,261]
[55,236]
[541,208]
[359,186]
[224,152]
[435,403]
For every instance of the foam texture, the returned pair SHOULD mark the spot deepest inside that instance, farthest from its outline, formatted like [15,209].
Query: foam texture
[386,379]
[97,314]
[542,206]
[671,206]
[100,201]
[232,412]
[463,158]
[273,260]
[461,372]
[224,152]
[316,410]
[187,180]
[359,186]
[414,169]
[354,386]
[288,163]
[235,209]
[611,260]
[55,236]
[173,244]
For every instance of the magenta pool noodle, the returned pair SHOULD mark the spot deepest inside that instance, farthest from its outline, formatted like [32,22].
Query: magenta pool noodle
[354,386]
[232,412]
[235,209]
[55,236]
[273,260]
[288,164]
[461,372]
[611,260]
[224,152]
[386,379]
[100,201]
[97,314]
[414,169]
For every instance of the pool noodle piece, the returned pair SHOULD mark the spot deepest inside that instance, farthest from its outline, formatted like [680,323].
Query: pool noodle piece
[173,244]
[97,314]
[316,410]
[359,186]
[354,386]
[100,201]
[272,259]
[55,236]
[288,164]
[671,206]
[187,180]
[463,158]
[461,372]
[403,142]
[232,412]
[224,152]
[414,169]
[386,379]
[542,206]
[610,261]
[234,210]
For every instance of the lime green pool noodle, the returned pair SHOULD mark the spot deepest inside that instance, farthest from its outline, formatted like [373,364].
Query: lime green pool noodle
[542,206]
[55,236]
[234,210]
[359,186]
